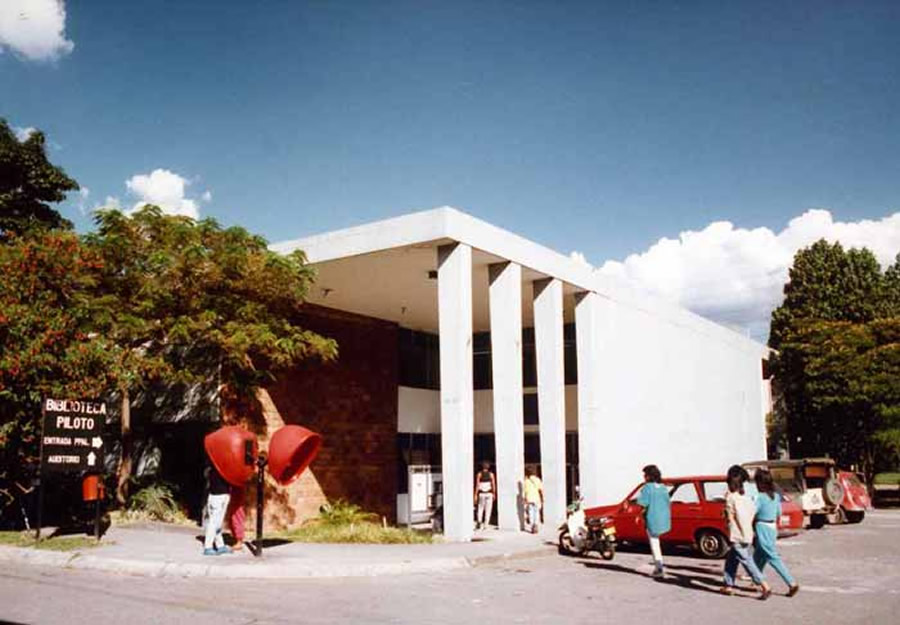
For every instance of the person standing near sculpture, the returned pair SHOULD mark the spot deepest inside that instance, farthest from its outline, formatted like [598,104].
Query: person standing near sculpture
[485,494]
[216,505]
[236,516]
[654,498]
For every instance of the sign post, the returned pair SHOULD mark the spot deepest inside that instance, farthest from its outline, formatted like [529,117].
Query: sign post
[71,442]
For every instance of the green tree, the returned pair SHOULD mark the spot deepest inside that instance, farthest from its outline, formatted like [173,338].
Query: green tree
[187,301]
[828,283]
[48,346]
[836,368]
[28,181]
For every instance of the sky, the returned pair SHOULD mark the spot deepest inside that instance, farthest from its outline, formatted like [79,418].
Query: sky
[688,147]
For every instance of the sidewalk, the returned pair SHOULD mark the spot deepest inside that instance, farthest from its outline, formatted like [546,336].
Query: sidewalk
[159,550]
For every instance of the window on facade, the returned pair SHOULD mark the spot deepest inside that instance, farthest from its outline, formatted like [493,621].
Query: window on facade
[530,405]
[420,359]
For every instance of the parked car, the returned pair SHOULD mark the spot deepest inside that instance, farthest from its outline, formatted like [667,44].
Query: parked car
[856,498]
[813,482]
[886,488]
[698,515]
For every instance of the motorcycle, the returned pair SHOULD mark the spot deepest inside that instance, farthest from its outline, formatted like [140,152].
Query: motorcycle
[580,534]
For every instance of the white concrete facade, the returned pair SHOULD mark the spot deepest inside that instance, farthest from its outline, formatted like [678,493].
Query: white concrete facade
[656,383]
[506,367]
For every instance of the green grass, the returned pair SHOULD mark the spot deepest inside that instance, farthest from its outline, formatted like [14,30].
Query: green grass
[58,543]
[887,478]
[365,532]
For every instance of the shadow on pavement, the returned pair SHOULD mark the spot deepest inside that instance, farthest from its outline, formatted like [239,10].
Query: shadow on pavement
[702,583]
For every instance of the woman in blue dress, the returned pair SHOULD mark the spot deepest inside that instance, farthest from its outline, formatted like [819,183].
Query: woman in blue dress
[768,511]
[654,497]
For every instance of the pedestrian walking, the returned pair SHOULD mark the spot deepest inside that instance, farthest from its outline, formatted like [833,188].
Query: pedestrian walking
[654,498]
[768,511]
[740,510]
[216,504]
[533,492]
[236,517]
[485,494]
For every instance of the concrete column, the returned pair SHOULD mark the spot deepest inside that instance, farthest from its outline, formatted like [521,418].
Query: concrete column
[548,337]
[506,366]
[590,432]
[457,404]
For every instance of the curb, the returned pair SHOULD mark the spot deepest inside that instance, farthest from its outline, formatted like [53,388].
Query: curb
[287,568]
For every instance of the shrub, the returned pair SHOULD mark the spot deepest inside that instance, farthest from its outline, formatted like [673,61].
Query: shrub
[155,502]
[343,512]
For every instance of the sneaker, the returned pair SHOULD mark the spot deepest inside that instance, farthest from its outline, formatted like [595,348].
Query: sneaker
[793,590]
[210,552]
[223,550]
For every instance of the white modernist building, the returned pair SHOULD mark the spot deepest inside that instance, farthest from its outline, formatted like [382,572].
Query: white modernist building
[655,383]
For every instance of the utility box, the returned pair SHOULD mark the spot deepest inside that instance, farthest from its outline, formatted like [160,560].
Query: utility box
[425,495]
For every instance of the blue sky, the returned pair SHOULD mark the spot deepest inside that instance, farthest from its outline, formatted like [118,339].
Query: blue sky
[589,126]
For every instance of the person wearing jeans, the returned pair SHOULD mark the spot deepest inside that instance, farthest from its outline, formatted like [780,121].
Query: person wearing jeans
[216,505]
[740,510]
[654,498]
[768,511]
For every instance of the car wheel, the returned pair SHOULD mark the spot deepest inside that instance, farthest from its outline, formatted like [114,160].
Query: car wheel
[838,517]
[817,521]
[833,492]
[855,516]
[711,544]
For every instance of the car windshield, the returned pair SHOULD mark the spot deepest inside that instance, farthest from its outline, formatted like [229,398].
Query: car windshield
[787,479]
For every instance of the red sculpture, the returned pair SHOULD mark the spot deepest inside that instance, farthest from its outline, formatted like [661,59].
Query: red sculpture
[226,449]
[291,449]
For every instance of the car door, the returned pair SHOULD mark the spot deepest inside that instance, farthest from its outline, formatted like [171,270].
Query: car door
[687,512]
[629,519]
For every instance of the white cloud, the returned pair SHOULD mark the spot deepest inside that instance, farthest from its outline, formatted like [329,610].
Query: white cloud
[207,196]
[34,29]
[579,257]
[165,189]
[736,276]
[22,134]
[83,194]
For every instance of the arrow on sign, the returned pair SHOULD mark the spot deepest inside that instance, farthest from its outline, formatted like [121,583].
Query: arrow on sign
[97,442]
[91,458]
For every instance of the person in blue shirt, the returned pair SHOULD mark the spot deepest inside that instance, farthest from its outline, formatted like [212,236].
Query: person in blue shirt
[768,511]
[654,498]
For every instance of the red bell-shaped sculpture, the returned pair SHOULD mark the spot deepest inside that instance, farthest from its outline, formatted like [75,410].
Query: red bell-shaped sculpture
[291,449]
[233,451]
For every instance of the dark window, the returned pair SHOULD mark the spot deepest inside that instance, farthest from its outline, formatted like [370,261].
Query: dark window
[419,359]
[530,404]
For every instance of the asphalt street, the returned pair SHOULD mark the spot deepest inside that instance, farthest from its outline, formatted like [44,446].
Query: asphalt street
[848,574]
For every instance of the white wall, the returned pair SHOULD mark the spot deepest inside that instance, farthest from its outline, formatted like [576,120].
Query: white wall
[419,410]
[676,396]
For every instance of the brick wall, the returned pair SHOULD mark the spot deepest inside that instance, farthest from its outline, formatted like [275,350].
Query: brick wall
[352,403]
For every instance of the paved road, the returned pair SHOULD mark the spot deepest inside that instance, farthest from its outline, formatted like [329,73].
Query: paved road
[849,574]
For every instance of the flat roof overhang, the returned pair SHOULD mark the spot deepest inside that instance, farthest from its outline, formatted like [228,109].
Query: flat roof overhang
[382,269]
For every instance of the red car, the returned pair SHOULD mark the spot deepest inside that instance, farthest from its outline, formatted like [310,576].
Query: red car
[856,498]
[698,514]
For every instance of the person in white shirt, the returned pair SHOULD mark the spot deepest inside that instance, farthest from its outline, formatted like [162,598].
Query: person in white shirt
[740,510]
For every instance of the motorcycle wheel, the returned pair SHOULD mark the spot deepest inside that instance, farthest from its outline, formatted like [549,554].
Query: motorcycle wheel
[609,553]
[566,546]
